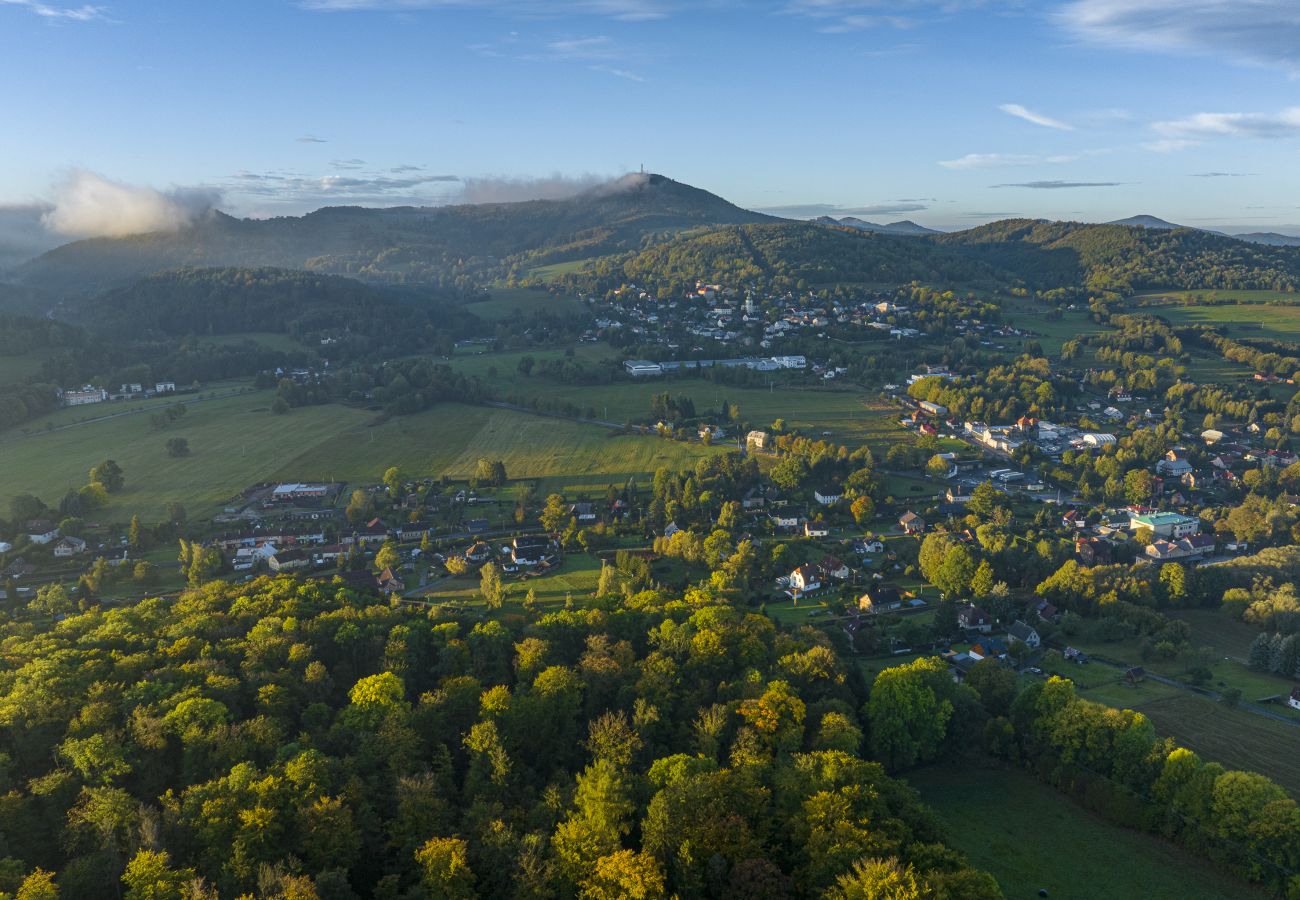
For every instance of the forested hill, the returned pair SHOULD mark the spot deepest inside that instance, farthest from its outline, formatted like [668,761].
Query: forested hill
[784,256]
[1124,258]
[453,245]
[305,305]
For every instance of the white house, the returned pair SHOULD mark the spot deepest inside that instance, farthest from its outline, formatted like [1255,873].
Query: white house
[1026,633]
[804,579]
[1294,700]
[815,530]
[42,531]
[165,387]
[640,368]
[69,546]
[828,497]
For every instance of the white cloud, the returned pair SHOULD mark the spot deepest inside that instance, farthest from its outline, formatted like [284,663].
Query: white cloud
[813,210]
[1260,32]
[1253,125]
[1058,185]
[626,10]
[84,13]
[1005,160]
[87,204]
[1015,109]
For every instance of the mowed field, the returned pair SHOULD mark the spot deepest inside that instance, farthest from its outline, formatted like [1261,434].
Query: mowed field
[1234,737]
[506,303]
[237,441]
[851,415]
[1241,320]
[1030,837]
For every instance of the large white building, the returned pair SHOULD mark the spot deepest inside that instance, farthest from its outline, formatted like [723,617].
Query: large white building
[83,396]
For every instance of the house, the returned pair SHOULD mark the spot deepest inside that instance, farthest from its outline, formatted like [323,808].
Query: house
[18,568]
[1047,612]
[529,550]
[911,523]
[934,409]
[1165,524]
[756,440]
[42,531]
[670,529]
[83,396]
[641,368]
[289,560]
[815,530]
[1093,551]
[804,579]
[165,387]
[988,648]
[753,499]
[1073,519]
[867,547]
[712,432]
[1026,634]
[827,497]
[1194,547]
[878,597]
[973,618]
[1175,464]
[1294,700]
[69,546]
[413,531]
[476,526]
[583,512]
[478,552]
[957,494]
[1134,675]
[373,532]
[388,582]
[833,567]
[784,521]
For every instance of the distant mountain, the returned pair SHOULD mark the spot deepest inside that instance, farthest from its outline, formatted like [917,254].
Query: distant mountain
[904,227]
[451,245]
[1126,257]
[1272,238]
[1146,222]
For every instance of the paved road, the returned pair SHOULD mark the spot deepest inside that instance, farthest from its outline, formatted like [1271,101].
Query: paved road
[1205,692]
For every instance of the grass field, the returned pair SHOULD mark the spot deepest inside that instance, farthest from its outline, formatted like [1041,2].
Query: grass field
[576,580]
[16,368]
[1214,296]
[1234,737]
[236,442]
[851,416]
[554,270]
[1052,332]
[1241,320]
[508,302]
[1030,837]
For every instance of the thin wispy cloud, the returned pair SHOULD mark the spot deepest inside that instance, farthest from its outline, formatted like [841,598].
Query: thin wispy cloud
[1232,124]
[1259,32]
[83,13]
[625,10]
[1009,160]
[348,163]
[311,139]
[813,210]
[1015,109]
[1219,174]
[1057,185]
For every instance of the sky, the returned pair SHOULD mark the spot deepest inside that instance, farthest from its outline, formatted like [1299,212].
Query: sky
[121,115]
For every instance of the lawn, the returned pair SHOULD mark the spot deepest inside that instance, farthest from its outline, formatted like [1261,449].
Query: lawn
[236,442]
[1234,737]
[1051,333]
[506,303]
[1241,320]
[1030,837]
[841,414]
[575,579]
[554,270]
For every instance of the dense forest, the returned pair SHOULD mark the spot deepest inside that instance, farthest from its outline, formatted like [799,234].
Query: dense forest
[781,257]
[1124,259]
[300,740]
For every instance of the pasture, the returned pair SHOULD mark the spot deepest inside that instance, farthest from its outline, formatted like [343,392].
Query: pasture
[1030,837]
[1241,320]
[507,303]
[1234,737]
[574,581]
[237,441]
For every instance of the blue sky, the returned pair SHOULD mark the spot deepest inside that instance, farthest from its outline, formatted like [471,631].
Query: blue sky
[948,113]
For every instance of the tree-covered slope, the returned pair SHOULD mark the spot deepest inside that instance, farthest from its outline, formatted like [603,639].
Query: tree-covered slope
[784,256]
[1125,258]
